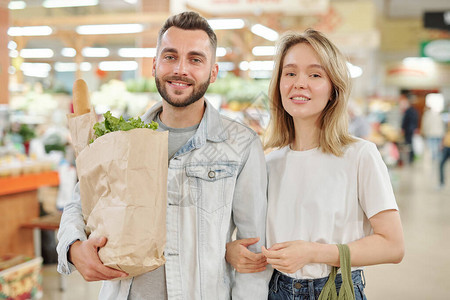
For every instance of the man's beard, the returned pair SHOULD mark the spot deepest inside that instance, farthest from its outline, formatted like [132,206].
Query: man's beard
[196,95]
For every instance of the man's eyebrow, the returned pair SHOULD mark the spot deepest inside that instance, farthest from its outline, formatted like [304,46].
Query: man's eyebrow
[171,50]
[197,53]
[194,53]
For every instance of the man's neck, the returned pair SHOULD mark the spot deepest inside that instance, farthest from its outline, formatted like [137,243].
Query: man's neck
[182,117]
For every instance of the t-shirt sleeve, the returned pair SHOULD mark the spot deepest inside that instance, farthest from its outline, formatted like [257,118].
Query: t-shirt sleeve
[374,186]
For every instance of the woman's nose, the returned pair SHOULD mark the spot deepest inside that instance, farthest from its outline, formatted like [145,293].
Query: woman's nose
[301,82]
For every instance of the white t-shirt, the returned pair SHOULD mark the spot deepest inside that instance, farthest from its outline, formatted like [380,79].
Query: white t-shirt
[323,198]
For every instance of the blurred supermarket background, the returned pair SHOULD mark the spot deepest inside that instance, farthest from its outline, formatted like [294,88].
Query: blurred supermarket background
[398,55]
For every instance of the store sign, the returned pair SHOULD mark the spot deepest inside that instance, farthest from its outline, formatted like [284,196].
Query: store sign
[421,73]
[439,50]
[293,7]
[437,20]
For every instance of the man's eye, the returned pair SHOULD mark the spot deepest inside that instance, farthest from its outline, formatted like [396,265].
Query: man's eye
[196,60]
[169,57]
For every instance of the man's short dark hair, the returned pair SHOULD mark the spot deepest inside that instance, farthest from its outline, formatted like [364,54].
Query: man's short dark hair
[189,20]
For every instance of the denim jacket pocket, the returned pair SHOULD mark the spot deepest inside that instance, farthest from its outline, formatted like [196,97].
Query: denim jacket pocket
[211,184]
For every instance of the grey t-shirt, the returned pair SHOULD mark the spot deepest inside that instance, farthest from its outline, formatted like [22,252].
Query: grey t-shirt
[152,285]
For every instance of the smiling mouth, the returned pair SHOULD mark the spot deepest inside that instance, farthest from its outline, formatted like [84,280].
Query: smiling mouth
[180,81]
[300,99]
[180,84]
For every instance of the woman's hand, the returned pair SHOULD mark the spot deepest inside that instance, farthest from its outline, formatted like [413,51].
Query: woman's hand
[242,259]
[289,257]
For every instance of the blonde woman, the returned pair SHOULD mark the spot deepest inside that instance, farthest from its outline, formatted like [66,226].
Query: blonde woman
[325,187]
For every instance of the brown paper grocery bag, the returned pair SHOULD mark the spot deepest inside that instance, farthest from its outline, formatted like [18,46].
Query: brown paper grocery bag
[80,128]
[123,187]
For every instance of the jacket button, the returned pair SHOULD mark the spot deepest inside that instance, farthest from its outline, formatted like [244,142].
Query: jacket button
[211,174]
[297,285]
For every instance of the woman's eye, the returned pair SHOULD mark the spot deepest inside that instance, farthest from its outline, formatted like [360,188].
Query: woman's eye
[316,75]
[290,74]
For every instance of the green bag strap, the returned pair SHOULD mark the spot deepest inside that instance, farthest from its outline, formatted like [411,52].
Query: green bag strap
[347,291]
[329,289]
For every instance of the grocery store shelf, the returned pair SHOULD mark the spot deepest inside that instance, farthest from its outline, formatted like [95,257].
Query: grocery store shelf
[27,182]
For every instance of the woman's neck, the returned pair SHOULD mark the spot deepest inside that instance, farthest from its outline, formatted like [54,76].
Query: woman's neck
[306,136]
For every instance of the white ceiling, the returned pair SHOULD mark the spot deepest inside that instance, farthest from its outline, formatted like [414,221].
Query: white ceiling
[390,8]
[393,9]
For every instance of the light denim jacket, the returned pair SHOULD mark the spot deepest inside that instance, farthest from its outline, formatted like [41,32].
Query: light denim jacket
[216,184]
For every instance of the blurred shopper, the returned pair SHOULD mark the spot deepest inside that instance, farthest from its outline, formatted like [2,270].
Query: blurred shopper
[216,183]
[444,156]
[358,126]
[433,129]
[325,187]
[410,123]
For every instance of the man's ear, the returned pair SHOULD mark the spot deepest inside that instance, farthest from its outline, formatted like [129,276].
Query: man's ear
[154,66]
[214,73]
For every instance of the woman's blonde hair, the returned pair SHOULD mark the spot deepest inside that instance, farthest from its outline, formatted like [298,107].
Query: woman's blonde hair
[333,121]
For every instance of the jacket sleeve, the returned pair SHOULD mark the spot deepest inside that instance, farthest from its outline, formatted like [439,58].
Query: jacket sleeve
[249,215]
[71,229]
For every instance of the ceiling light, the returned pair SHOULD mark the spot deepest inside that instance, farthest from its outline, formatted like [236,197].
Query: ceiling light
[217,24]
[137,52]
[35,69]
[118,65]
[263,50]
[95,52]
[355,71]
[265,65]
[72,67]
[221,51]
[260,74]
[243,66]
[68,52]
[265,32]
[225,66]
[68,3]
[109,29]
[13,53]
[12,45]
[131,1]
[36,53]
[17,5]
[30,31]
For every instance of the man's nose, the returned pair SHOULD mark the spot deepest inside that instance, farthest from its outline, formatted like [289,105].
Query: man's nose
[181,67]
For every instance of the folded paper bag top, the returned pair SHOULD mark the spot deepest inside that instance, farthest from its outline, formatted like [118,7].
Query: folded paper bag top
[80,128]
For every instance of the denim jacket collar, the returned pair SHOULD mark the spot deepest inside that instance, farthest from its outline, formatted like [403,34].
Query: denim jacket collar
[211,127]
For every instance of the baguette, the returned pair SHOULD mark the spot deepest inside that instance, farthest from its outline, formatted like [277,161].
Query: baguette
[81,103]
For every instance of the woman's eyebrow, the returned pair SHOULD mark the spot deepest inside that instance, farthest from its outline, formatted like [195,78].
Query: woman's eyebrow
[309,66]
